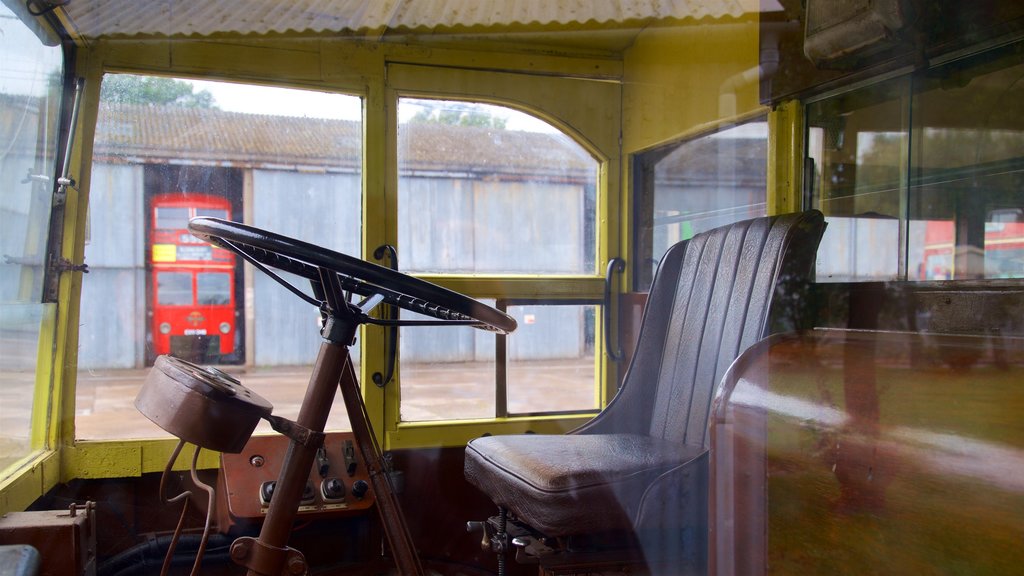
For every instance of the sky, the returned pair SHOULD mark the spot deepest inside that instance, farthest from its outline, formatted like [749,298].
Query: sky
[250,99]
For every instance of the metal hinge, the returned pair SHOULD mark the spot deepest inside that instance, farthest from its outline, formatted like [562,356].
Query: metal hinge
[65,265]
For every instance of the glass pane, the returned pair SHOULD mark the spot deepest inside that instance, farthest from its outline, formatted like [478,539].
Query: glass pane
[551,359]
[174,288]
[447,373]
[30,75]
[858,143]
[967,171]
[213,288]
[171,218]
[212,212]
[295,169]
[487,189]
[696,185]
[953,177]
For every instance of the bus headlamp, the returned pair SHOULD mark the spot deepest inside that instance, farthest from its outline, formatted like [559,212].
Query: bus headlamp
[225,327]
[165,328]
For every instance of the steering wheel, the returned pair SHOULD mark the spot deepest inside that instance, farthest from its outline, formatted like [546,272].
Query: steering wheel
[303,259]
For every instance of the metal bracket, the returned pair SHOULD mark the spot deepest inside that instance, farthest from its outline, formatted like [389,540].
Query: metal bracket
[296,432]
[249,553]
[64,265]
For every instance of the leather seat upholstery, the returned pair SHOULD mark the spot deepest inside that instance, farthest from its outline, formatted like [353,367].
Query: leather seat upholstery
[641,463]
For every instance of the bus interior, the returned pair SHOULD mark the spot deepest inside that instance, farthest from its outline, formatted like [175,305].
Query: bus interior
[353,287]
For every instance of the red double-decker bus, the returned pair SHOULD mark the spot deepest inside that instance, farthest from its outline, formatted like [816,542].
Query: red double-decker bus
[193,298]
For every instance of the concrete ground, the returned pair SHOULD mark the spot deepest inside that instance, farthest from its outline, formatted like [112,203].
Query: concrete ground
[104,408]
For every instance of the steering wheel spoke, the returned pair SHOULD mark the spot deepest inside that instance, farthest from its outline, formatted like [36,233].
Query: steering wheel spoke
[340,275]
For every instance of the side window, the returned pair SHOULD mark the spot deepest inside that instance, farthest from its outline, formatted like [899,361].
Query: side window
[238,152]
[30,97]
[920,178]
[487,191]
[695,185]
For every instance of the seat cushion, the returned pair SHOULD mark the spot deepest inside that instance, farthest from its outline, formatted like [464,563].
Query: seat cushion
[574,483]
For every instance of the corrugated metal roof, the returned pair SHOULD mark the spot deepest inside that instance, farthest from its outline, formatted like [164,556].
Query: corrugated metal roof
[105,18]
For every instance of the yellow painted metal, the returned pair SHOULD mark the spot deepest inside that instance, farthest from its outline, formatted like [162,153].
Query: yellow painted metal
[32,477]
[653,92]
[128,458]
[42,433]
[677,80]
[785,157]
[458,432]
[376,181]
[585,108]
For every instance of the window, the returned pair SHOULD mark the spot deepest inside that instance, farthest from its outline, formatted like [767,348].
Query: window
[242,153]
[920,176]
[31,68]
[174,288]
[172,218]
[695,185]
[491,192]
[213,288]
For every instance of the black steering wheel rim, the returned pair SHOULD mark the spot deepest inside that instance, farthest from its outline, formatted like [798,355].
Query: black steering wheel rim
[364,278]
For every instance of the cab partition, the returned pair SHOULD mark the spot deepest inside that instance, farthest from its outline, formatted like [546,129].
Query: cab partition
[843,451]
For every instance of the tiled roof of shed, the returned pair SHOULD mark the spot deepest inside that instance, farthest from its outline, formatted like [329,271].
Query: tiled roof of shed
[162,133]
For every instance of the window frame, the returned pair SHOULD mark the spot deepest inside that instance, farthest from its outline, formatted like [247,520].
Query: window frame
[28,477]
[909,84]
[523,92]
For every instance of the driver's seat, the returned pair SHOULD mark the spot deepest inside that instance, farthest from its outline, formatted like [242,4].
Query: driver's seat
[639,468]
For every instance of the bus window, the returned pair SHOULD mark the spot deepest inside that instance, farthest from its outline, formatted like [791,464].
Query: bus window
[694,185]
[213,288]
[557,341]
[212,213]
[490,191]
[171,218]
[154,289]
[31,68]
[174,288]
[920,176]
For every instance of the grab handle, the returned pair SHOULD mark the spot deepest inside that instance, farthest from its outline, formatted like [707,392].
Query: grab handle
[614,265]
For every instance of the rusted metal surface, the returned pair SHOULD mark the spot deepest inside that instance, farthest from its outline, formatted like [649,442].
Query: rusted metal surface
[242,475]
[65,539]
[212,410]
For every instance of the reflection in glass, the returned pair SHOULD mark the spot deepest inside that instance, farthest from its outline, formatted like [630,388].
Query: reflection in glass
[967,170]
[695,185]
[920,177]
[858,146]
[29,110]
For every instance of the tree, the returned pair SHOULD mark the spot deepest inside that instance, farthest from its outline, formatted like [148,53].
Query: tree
[457,114]
[153,90]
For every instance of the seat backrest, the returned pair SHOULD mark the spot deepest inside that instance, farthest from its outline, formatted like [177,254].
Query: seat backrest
[710,301]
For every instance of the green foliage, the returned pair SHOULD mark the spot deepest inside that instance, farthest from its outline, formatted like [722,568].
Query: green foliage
[458,114]
[130,89]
